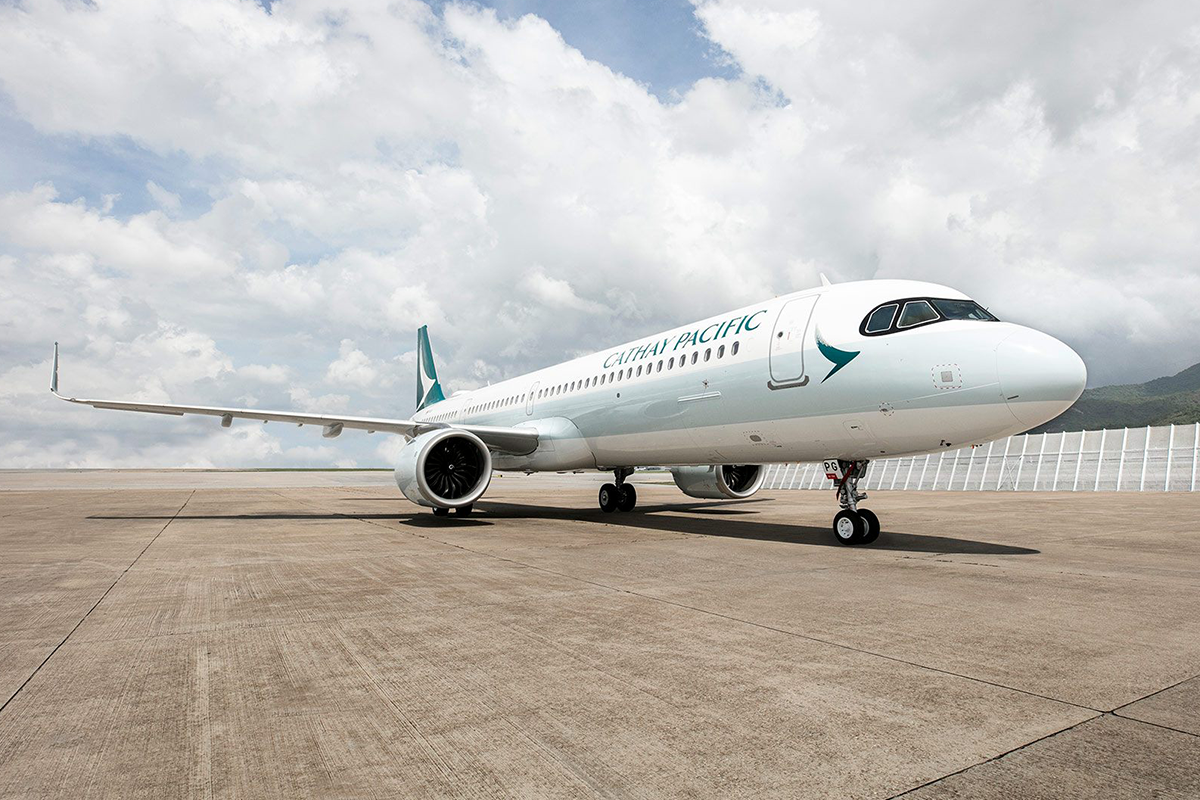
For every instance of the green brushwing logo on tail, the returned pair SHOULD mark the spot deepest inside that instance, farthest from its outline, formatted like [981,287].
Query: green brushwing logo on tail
[429,391]
[840,358]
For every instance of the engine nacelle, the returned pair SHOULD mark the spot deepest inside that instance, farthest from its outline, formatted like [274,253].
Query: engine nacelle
[445,468]
[720,481]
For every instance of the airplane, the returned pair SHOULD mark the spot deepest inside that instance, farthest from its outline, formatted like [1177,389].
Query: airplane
[842,373]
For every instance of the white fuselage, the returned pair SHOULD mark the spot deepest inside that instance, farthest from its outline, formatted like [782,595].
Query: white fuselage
[754,386]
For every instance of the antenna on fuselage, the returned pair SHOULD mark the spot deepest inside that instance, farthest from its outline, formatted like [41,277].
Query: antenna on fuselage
[824,280]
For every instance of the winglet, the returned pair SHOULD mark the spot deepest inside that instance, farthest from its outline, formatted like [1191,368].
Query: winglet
[824,280]
[54,373]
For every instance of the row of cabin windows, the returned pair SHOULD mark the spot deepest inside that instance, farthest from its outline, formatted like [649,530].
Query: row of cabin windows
[610,377]
[629,373]
[492,405]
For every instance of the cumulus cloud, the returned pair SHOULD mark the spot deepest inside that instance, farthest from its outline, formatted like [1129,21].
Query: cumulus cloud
[355,171]
[352,367]
[167,201]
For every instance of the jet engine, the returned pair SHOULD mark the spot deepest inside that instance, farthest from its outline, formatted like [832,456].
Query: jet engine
[444,468]
[719,481]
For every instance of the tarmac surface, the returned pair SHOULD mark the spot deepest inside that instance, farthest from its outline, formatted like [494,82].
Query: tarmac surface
[307,634]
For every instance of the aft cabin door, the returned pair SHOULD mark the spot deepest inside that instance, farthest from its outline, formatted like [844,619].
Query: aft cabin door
[788,340]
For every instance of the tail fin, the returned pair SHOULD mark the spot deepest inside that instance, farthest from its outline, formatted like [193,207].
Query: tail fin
[429,391]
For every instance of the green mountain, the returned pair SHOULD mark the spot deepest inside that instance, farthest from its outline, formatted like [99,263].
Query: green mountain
[1162,401]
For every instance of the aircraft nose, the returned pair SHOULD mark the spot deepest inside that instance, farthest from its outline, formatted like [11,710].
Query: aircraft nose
[1039,375]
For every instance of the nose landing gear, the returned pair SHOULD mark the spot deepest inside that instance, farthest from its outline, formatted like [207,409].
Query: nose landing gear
[852,525]
[620,496]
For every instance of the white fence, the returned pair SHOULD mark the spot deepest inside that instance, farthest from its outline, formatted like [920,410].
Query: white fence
[1161,459]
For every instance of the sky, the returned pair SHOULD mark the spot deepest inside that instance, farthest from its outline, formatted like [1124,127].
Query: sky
[227,202]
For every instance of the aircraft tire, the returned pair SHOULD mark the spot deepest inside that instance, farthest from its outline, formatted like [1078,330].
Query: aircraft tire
[440,511]
[626,497]
[872,525]
[849,528]
[463,511]
[608,498]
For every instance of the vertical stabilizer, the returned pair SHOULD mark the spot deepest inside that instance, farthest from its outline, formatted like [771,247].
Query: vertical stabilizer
[429,391]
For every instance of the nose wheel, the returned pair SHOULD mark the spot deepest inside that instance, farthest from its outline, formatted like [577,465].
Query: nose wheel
[853,525]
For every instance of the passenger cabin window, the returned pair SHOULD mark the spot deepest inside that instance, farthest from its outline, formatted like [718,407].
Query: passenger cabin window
[915,312]
[733,350]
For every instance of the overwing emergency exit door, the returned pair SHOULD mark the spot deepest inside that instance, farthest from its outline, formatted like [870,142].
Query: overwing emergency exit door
[788,342]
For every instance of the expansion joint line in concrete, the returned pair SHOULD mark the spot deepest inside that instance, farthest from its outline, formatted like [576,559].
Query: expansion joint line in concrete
[95,605]
[1097,712]
[751,623]
[1050,736]
[997,757]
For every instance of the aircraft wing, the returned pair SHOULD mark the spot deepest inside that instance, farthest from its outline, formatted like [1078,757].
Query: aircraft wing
[518,441]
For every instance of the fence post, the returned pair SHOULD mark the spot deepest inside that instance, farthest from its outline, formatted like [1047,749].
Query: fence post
[1195,452]
[1145,460]
[1062,442]
[924,469]
[1121,465]
[1079,460]
[1100,459]
[970,463]
[987,462]
[912,463]
[1021,463]
[1170,447]
[895,474]
[953,470]
[1003,463]
[938,473]
[1037,473]
[818,474]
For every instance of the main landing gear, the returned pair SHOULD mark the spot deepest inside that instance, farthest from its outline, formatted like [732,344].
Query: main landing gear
[853,525]
[620,496]
[461,511]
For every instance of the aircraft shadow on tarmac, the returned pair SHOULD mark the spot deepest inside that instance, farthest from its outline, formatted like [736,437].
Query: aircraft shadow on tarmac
[650,518]
[726,522]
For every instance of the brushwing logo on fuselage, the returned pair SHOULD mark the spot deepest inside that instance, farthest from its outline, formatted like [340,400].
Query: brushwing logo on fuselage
[840,358]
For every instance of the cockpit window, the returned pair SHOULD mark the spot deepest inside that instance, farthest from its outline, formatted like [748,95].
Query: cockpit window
[881,318]
[915,312]
[912,312]
[962,309]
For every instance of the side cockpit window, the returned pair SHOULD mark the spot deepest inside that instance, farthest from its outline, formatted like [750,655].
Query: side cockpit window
[914,312]
[962,309]
[881,318]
